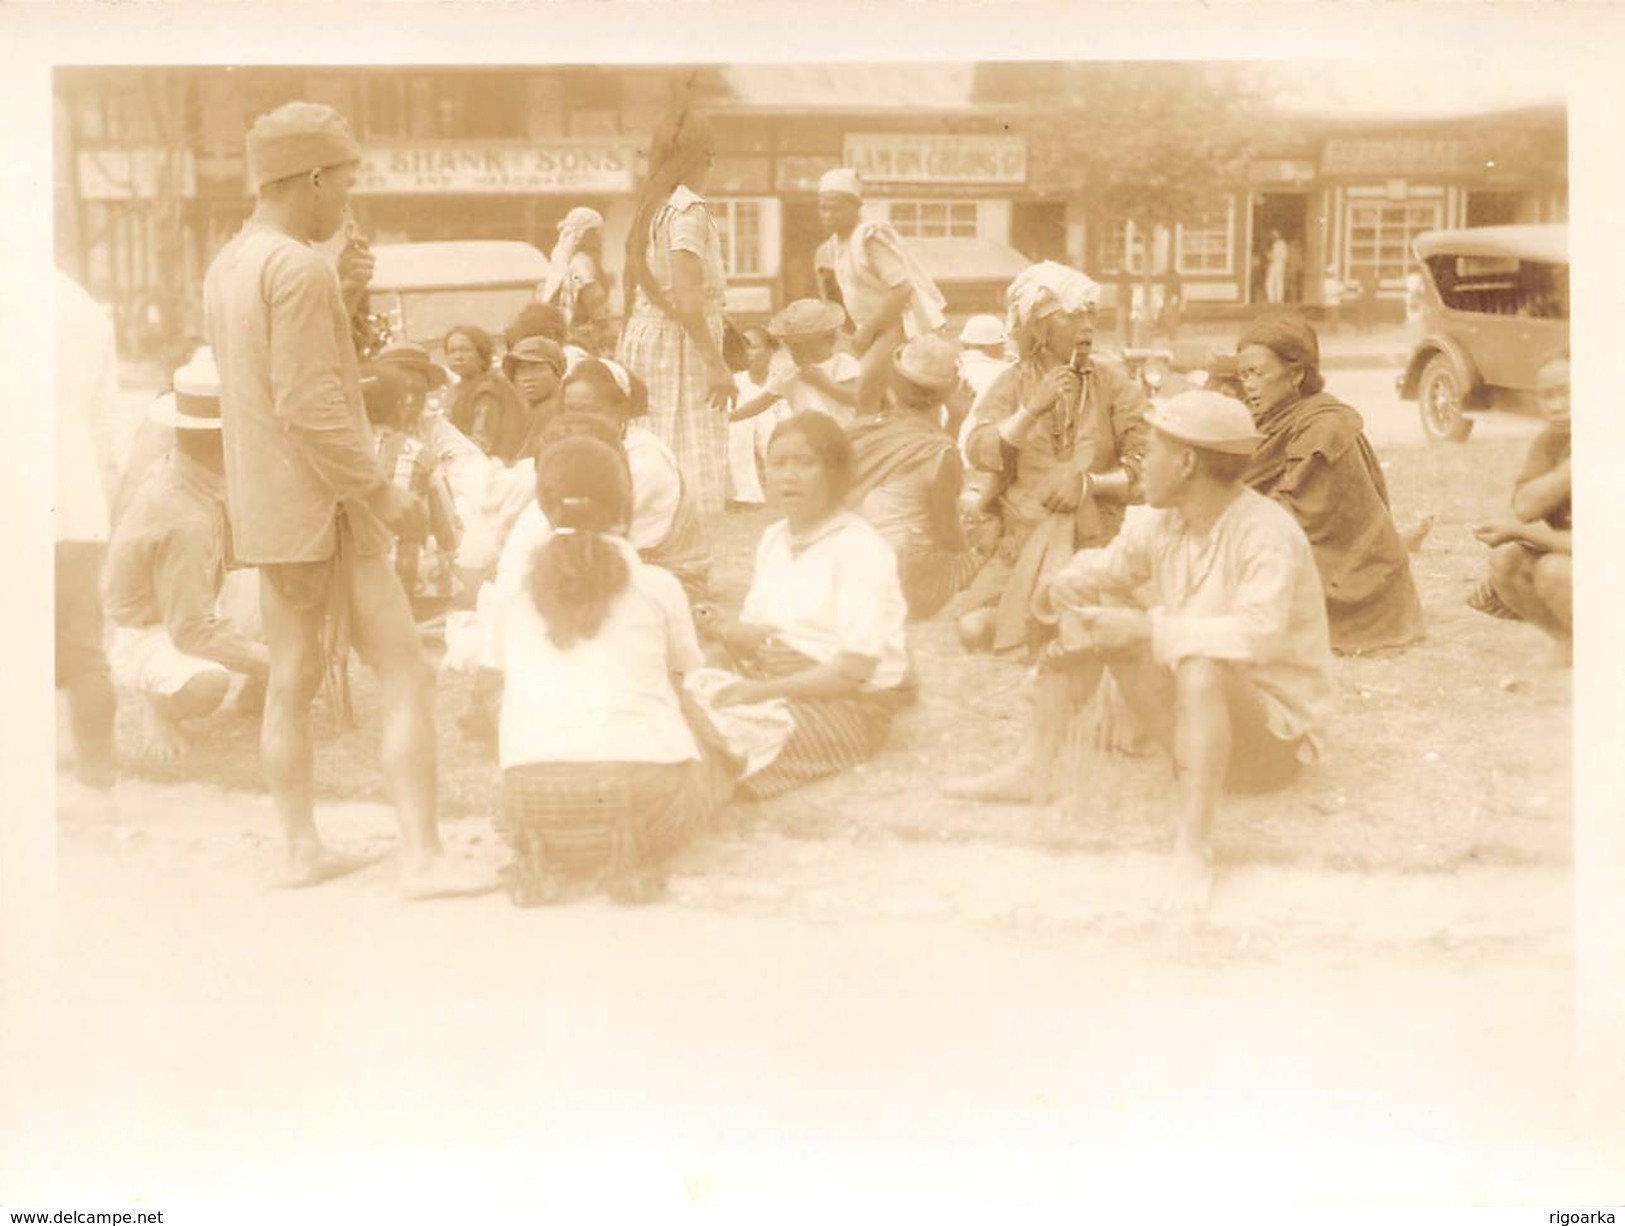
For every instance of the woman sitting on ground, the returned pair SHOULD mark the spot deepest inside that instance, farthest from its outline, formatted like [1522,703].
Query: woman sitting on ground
[600,770]
[907,477]
[483,397]
[1315,460]
[822,626]
[666,529]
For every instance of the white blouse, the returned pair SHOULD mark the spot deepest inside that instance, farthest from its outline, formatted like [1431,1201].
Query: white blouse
[838,593]
[606,699]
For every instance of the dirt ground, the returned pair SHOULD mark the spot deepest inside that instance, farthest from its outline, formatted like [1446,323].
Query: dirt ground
[861,990]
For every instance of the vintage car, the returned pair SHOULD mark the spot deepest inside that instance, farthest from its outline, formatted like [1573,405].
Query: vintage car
[1495,307]
[421,290]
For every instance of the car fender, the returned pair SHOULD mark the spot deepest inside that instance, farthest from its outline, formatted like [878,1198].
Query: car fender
[1409,382]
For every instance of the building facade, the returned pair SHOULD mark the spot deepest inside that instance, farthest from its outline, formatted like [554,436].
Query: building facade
[151,178]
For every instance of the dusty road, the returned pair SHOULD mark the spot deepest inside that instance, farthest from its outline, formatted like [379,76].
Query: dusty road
[819,1021]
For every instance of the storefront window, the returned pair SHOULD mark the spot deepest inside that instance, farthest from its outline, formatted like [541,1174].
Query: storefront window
[1204,243]
[934,218]
[740,222]
[1121,248]
[1380,234]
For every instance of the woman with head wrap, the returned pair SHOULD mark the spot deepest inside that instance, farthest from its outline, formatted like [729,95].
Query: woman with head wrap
[577,280]
[1063,437]
[1316,461]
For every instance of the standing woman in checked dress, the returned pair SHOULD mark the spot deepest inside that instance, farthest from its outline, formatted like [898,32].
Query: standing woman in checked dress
[674,285]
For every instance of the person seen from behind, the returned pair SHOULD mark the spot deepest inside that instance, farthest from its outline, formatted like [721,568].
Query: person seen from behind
[602,776]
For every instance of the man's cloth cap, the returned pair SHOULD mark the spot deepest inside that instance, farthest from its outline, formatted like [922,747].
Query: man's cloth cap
[195,402]
[982,330]
[414,358]
[806,317]
[931,362]
[842,181]
[536,349]
[1207,420]
[297,138]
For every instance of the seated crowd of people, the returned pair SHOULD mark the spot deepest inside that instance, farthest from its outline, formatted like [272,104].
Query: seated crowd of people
[628,706]
[1183,572]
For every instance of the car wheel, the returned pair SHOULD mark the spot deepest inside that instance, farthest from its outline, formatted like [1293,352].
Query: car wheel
[1440,396]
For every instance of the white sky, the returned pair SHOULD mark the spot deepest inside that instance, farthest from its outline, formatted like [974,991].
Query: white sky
[1396,88]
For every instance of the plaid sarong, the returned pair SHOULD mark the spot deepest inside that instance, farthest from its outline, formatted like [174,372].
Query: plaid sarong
[831,734]
[570,812]
[659,352]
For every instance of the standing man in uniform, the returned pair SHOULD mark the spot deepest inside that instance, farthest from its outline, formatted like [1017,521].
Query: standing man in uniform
[308,502]
[888,295]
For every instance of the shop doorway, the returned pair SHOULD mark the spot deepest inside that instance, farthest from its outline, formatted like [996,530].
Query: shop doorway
[802,233]
[1038,229]
[1280,237]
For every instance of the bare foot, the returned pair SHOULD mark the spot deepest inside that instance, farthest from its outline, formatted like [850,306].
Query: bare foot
[1413,536]
[1190,884]
[437,876]
[311,864]
[162,740]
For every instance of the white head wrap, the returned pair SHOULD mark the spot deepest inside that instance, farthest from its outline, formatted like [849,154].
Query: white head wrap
[1047,288]
[576,223]
[842,180]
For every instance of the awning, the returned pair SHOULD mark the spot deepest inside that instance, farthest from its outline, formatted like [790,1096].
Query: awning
[958,260]
[470,264]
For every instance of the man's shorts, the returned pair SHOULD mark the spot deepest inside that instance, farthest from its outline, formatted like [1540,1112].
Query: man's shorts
[146,660]
[306,587]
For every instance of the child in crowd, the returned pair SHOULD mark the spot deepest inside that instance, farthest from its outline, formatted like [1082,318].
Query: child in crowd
[810,375]
[427,565]
[747,437]
[535,365]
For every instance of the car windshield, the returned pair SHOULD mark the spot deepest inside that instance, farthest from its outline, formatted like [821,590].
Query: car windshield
[424,317]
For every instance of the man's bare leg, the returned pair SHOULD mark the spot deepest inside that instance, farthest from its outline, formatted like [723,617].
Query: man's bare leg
[1553,584]
[1202,749]
[387,639]
[1538,587]
[293,637]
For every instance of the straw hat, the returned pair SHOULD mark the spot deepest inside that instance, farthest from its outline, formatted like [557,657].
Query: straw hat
[982,330]
[930,362]
[413,358]
[195,402]
[806,317]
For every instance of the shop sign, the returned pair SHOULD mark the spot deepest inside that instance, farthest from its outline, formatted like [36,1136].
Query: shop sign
[432,167]
[919,157]
[1411,156]
[132,174]
[1281,170]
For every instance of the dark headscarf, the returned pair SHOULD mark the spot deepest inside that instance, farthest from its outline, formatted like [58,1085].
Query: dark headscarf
[1293,341]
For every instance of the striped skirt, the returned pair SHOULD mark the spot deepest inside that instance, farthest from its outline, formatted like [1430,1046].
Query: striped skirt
[831,734]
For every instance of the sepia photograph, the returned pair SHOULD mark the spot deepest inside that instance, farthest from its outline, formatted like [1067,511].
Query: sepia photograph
[973,623]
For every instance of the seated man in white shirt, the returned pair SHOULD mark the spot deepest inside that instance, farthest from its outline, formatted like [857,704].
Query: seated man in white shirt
[1230,671]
